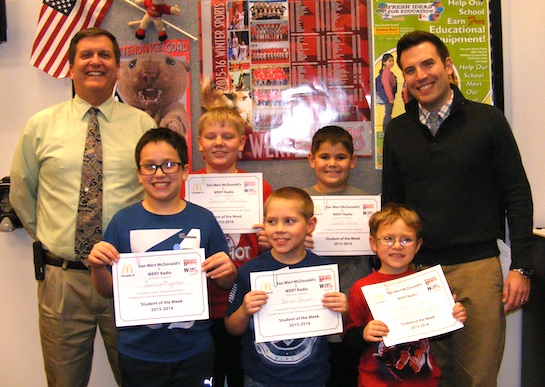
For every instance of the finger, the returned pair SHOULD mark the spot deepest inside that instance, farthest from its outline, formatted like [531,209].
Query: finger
[514,303]
[524,298]
[218,272]
[215,262]
[106,249]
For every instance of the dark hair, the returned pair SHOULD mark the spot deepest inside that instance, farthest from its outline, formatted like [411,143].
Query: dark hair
[385,58]
[306,205]
[175,139]
[334,135]
[391,213]
[417,37]
[90,33]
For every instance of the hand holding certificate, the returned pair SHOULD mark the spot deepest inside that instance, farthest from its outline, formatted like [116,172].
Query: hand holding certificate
[343,224]
[413,307]
[160,287]
[294,308]
[236,199]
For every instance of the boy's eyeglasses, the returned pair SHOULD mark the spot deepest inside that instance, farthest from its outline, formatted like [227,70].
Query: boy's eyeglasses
[167,168]
[390,241]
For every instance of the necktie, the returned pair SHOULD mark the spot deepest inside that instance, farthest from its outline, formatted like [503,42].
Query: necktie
[89,218]
[433,122]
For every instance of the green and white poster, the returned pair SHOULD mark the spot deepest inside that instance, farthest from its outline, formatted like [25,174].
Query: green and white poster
[464,27]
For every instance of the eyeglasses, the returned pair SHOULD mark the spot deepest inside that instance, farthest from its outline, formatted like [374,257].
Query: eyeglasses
[390,241]
[167,168]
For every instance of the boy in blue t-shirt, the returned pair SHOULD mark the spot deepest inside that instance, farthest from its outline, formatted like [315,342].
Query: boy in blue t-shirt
[288,218]
[176,353]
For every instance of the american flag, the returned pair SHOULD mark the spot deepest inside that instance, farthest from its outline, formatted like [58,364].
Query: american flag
[59,21]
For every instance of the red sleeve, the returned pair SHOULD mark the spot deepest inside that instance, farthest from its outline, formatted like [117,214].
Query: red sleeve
[267,190]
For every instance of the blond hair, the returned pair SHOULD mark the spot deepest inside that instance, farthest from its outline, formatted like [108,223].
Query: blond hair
[392,212]
[222,116]
[306,206]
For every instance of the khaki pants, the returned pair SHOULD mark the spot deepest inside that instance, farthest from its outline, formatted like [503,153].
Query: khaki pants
[472,356]
[70,310]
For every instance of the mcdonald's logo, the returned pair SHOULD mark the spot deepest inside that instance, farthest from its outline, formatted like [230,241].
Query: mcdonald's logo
[197,187]
[378,298]
[266,287]
[127,269]
[317,209]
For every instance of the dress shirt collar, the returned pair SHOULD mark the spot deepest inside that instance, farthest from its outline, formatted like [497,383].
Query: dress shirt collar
[443,113]
[82,107]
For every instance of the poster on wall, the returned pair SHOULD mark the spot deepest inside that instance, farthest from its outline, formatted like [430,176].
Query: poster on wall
[462,25]
[154,77]
[289,67]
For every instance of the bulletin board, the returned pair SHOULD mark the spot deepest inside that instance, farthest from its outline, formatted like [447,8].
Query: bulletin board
[289,67]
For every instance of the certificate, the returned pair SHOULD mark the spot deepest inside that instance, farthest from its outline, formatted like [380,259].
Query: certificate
[236,199]
[413,307]
[160,287]
[294,308]
[343,224]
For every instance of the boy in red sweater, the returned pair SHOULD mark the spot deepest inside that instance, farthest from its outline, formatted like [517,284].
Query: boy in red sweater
[395,239]
[221,137]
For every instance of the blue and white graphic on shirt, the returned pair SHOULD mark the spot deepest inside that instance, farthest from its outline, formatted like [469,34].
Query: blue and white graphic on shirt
[284,352]
[145,240]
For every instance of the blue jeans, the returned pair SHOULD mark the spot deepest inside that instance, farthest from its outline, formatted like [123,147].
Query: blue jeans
[388,108]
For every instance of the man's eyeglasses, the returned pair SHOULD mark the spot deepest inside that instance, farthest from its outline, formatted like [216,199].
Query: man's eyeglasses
[167,168]
[390,241]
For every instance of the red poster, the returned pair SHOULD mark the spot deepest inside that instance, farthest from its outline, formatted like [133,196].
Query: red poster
[288,68]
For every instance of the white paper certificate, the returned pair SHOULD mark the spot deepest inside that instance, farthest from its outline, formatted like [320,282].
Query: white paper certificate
[294,309]
[236,199]
[160,287]
[413,307]
[343,224]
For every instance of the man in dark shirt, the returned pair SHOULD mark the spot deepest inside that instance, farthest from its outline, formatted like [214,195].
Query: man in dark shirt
[457,164]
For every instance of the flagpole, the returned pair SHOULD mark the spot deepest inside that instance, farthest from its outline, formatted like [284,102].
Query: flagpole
[164,21]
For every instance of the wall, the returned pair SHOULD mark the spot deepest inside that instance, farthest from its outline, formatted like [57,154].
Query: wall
[525,89]
[25,90]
